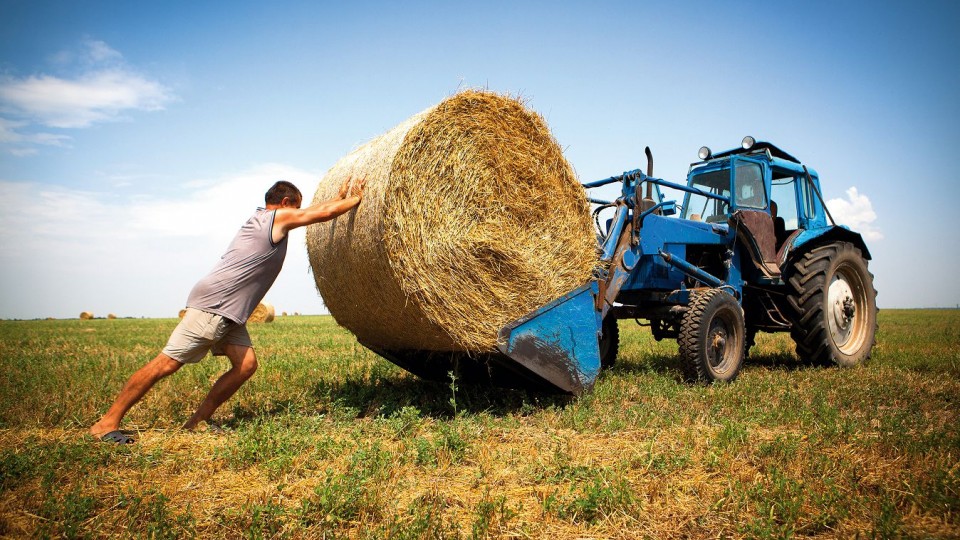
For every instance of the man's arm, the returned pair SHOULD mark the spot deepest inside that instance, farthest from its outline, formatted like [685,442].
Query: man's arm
[287,219]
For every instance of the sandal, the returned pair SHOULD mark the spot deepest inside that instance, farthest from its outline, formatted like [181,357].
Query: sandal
[119,437]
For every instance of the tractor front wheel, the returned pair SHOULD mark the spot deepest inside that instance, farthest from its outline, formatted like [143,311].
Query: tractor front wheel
[712,337]
[834,305]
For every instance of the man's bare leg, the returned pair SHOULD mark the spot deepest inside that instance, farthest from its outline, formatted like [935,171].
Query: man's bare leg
[243,365]
[136,387]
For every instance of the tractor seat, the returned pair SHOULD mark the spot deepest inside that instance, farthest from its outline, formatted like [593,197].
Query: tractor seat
[779,230]
[756,230]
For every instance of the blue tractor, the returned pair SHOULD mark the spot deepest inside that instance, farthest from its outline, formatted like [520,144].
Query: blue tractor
[754,248]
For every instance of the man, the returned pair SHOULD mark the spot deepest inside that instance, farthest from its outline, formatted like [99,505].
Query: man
[221,302]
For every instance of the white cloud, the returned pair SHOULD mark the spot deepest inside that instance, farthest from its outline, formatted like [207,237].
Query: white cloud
[10,135]
[215,205]
[856,212]
[93,97]
[105,89]
[208,208]
[63,250]
[99,52]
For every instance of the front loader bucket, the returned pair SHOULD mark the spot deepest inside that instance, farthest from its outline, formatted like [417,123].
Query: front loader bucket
[559,342]
[554,349]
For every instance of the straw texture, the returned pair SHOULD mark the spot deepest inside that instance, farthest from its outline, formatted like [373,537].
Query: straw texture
[471,218]
[263,313]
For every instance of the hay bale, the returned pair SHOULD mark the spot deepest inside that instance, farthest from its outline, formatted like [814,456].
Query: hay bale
[471,218]
[86,315]
[263,313]
[182,313]
[111,316]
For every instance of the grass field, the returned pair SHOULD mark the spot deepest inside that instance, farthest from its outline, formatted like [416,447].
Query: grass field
[328,440]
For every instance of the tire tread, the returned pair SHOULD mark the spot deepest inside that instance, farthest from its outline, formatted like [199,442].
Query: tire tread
[808,284]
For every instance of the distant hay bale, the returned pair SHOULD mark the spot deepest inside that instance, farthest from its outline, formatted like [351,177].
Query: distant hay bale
[86,315]
[471,218]
[111,316]
[263,313]
[182,313]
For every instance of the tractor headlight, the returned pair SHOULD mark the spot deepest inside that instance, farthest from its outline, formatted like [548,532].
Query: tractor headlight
[704,153]
[748,142]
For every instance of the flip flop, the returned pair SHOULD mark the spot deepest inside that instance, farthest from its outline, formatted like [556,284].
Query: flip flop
[119,437]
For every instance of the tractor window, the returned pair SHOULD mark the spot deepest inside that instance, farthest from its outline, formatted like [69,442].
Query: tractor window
[809,206]
[749,182]
[784,193]
[701,208]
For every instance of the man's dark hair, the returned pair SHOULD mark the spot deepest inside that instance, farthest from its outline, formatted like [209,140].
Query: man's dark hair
[282,189]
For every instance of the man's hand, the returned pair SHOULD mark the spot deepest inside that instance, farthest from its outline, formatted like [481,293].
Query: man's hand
[344,188]
[351,188]
[357,189]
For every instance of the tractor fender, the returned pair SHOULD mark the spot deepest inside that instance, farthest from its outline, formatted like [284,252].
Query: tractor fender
[825,235]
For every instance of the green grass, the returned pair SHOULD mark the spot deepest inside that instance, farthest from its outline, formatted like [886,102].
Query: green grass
[329,440]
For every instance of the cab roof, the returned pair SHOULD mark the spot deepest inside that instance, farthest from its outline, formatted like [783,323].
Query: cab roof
[758,147]
[777,158]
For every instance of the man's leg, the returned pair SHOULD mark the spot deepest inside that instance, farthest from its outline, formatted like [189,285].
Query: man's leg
[135,388]
[243,365]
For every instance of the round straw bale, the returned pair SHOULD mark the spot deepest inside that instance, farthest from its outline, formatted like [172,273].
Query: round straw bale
[471,218]
[86,315]
[182,313]
[111,316]
[263,313]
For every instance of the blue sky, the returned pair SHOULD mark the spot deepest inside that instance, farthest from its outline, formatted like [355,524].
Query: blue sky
[135,138]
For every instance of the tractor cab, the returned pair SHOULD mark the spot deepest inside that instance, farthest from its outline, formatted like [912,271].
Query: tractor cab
[766,194]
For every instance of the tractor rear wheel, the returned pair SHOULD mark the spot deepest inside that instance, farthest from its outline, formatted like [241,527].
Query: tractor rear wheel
[712,337]
[834,305]
[609,342]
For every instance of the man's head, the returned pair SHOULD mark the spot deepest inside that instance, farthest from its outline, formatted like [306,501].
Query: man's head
[281,191]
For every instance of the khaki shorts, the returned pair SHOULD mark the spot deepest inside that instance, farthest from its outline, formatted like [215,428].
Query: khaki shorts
[200,332]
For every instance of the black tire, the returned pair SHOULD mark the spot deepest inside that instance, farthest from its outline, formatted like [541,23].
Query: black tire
[834,306]
[609,342]
[712,337]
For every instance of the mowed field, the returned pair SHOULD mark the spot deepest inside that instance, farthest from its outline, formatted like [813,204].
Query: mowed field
[328,440]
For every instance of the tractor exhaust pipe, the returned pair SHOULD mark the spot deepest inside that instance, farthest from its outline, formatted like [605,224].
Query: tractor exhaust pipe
[649,171]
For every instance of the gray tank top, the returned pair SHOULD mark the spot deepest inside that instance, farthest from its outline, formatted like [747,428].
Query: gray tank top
[245,272]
